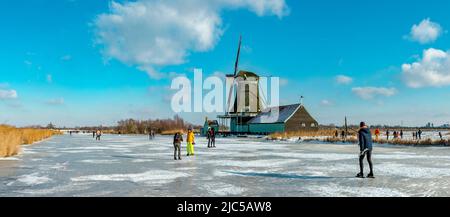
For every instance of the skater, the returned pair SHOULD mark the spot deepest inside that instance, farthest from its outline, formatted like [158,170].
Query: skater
[401,134]
[153,133]
[419,134]
[177,139]
[343,135]
[150,137]
[336,134]
[377,133]
[211,138]
[387,135]
[440,136]
[414,135]
[208,136]
[190,142]
[365,146]
[93,134]
[99,135]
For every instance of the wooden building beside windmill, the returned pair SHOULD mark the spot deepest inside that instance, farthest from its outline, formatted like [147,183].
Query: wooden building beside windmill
[287,118]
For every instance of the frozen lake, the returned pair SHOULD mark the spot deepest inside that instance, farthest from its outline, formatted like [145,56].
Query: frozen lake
[134,166]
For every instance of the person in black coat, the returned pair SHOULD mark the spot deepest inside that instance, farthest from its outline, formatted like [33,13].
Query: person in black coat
[365,147]
[177,139]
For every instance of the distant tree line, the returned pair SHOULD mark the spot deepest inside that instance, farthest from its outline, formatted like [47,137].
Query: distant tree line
[131,126]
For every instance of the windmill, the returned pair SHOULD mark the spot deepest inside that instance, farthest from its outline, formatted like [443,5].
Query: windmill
[243,98]
[247,110]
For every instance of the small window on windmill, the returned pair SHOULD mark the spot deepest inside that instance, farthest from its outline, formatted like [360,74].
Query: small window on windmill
[313,125]
[303,125]
[247,95]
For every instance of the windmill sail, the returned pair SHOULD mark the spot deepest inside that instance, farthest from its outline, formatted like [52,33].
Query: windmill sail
[231,80]
[236,65]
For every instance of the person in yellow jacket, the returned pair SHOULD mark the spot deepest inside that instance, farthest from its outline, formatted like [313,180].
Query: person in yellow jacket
[190,142]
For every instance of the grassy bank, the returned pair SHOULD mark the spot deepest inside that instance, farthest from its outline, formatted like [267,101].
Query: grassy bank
[300,134]
[12,138]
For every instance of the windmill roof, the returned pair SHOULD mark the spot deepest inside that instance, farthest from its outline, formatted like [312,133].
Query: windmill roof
[285,113]
[246,73]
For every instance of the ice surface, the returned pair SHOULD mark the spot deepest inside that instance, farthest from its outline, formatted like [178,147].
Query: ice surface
[136,166]
[149,177]
[333,190]
[100,161]
[33,179]
[9,159]
[223,189]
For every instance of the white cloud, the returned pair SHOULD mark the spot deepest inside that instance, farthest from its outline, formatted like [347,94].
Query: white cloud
[150,34]
[342,79]
[260,7]
[8,94]
[58,101]
[326,102]
[433,70]
[372,92]
[425,32]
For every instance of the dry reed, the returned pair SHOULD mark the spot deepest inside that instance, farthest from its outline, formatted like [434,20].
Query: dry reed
[12,138]
[318,133]
[172,132]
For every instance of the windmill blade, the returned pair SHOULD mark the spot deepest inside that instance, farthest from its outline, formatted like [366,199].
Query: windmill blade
[236,65]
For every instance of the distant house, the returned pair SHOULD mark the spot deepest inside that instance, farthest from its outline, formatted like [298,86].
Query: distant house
[287,119]
[209,124]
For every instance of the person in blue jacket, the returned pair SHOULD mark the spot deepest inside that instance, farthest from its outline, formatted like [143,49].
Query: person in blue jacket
[365,146]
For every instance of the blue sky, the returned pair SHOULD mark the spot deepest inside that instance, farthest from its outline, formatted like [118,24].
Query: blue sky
[80,62]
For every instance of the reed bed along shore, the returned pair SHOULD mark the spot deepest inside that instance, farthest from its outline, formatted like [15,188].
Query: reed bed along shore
[172,132]
[321,133]
[12,138]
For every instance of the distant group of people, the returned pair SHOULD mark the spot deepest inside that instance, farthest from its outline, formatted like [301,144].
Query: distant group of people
[397,134]
[417,135]
[97,135]
[190,142]
[342,134]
